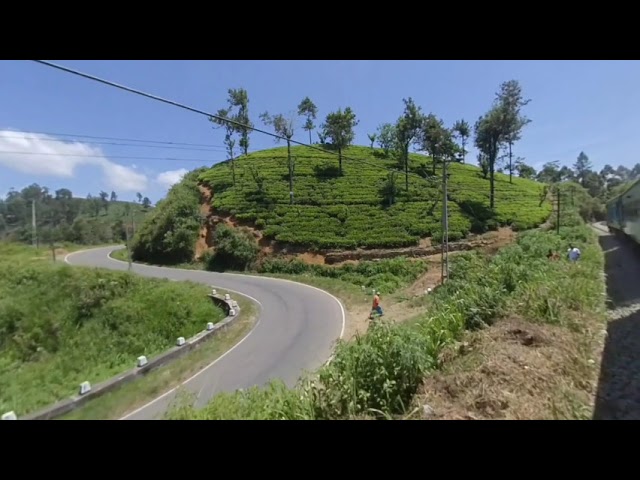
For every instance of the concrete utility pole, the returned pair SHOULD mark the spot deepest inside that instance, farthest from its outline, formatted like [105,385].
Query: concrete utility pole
[34,235]
[558,211]
[445,224]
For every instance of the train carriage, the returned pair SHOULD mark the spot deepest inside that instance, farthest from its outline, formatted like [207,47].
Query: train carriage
[623,213]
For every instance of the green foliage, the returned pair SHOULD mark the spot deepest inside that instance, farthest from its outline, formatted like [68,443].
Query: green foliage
[62,218]
[235,249]
[351,211]
[385,275]
[170,231]
[62,325]
[378,373]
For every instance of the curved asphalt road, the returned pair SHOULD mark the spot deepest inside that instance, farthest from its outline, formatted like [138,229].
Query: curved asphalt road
[296,330]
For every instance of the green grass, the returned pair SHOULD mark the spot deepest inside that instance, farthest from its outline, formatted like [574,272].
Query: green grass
[349,211]
[61,325]
[115,404]
[378,374]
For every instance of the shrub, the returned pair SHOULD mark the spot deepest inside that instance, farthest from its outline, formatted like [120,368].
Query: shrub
[386,275]
[235,249]
[169,233]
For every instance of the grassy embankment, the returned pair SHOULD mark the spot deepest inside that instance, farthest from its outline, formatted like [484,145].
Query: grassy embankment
[61,325]
[387,371]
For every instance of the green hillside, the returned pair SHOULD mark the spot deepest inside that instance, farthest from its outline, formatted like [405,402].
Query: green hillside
[355,209]
[62,325]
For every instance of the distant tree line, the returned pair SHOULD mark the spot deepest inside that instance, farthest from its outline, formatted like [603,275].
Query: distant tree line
[61,217]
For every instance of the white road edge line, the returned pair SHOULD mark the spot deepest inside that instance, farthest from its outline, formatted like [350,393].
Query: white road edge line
[342,311]
[146,405]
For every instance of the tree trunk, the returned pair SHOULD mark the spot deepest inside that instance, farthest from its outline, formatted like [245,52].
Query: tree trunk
[340,158]
[233,170]
[290,171]
[510,165]
[464,153]
[492,184]
[406,168]
[310,141]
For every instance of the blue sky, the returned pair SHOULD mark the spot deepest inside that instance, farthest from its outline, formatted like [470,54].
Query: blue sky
[576,105]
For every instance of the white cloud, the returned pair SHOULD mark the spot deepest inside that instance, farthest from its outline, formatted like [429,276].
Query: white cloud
[38,154]
[171,177]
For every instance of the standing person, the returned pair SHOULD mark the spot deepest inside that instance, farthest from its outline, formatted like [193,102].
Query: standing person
[574,253]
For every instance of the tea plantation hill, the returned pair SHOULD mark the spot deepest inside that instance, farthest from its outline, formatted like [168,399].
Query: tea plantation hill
[338,212]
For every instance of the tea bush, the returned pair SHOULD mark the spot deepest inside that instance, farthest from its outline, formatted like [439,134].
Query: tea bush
[351,211]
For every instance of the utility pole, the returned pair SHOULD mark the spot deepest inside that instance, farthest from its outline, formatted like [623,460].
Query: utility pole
[34,235]
[558,211]
[126,232]
[445,225]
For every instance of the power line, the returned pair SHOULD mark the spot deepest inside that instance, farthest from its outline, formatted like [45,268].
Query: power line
[106,157]
[207,114]
[27,137]
[96,137]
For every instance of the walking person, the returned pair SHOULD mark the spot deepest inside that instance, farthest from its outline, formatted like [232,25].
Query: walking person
[376,306]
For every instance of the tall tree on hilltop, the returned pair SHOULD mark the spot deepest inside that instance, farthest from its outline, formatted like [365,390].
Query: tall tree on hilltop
[372,139]
[437,140]
[623,172]
[285,128]
[490,136]
[524,170]
[239,98]
[387,138]
[104,196]
[338,127]
[408,128]
[309,110]
[582,167]
[114,197]
[462,130]
[510,101]
[224,114]
[566,174]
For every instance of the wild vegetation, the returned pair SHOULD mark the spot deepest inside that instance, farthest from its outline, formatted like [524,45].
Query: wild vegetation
[379,373]
[62,325]
[169,233]
[61,217]
[386,275]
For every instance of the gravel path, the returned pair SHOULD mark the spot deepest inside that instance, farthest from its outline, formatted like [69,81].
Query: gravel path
[618,396]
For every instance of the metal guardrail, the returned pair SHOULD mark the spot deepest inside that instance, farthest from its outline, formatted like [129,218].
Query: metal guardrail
[184,346]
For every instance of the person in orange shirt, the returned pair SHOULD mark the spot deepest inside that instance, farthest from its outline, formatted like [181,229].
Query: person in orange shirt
[376,305]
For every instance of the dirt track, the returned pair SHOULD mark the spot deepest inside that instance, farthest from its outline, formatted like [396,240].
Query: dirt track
[618,395]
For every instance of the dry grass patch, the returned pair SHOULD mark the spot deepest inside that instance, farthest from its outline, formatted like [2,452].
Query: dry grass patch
[514,370]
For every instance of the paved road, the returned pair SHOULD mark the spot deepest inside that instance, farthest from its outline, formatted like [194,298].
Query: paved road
[296,330]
